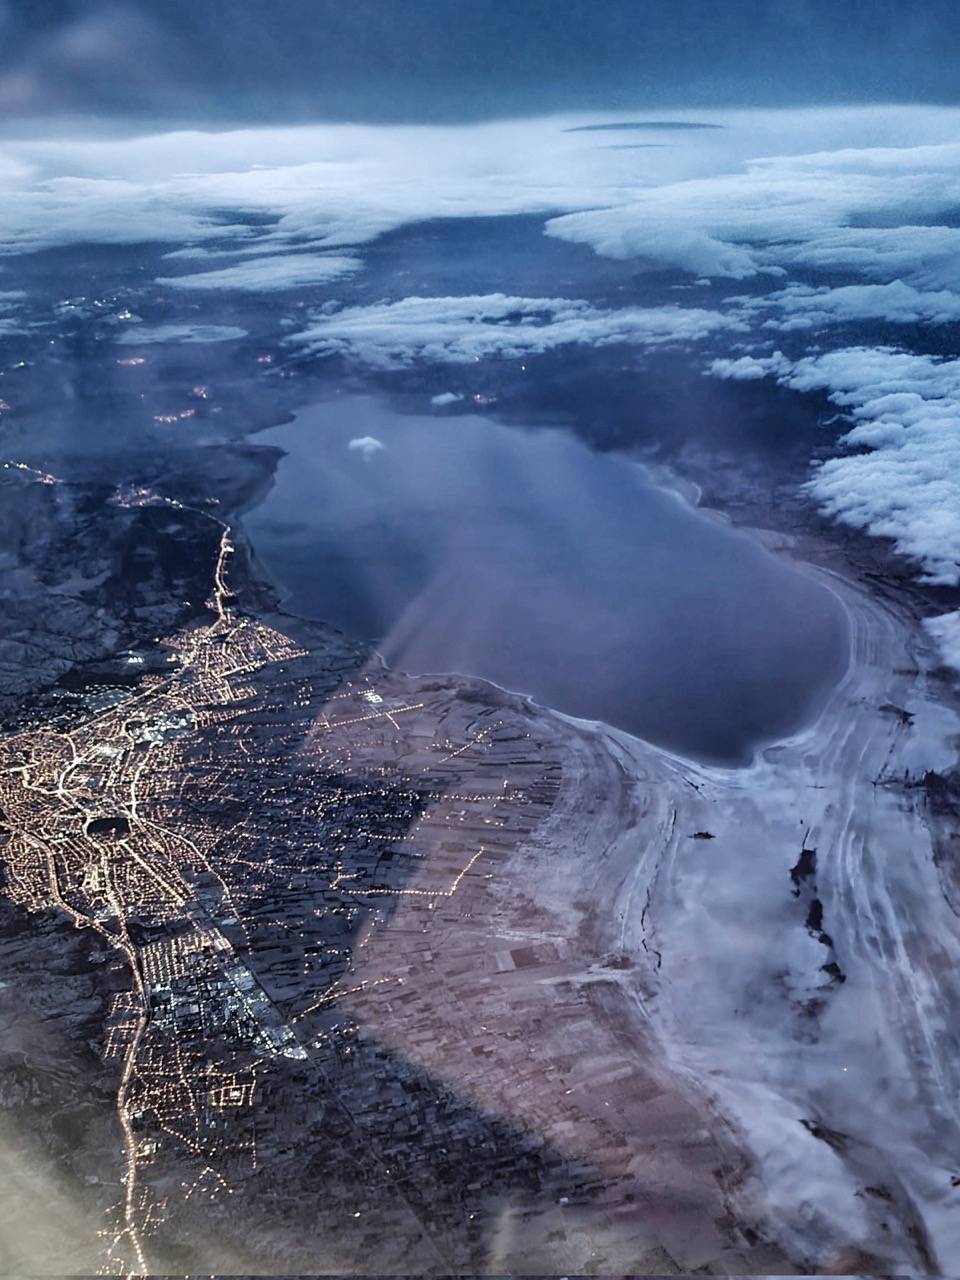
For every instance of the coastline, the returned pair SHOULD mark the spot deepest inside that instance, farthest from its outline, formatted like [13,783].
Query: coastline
[731,730]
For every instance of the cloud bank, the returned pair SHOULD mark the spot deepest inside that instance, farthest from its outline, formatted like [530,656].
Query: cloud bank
[805,307]
[704,202]
[946,633]
[901,476]
[269,274]
[10,300]
[793,210]
[458,330]
[187,333]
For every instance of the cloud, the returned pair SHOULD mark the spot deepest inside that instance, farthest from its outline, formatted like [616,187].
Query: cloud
[445,398]
[926,256]
[464,329]
[750,368]
[805,307]
[271,273]
[629,232]
[704,203]
[945,630]
[188,333]
[366,445]
[309,187]
[9,307]
[791,210]
[899,477]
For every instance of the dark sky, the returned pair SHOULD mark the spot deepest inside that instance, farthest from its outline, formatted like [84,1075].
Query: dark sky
[200,60]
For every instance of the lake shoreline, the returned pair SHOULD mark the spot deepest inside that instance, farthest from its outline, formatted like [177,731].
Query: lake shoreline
[574,585]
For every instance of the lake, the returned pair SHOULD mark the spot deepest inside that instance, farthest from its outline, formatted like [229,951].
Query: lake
[458,544]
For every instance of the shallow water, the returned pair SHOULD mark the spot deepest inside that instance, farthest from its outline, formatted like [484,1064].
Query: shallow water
[462,545]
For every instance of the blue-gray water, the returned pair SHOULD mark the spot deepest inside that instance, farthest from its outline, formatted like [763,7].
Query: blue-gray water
[462,545]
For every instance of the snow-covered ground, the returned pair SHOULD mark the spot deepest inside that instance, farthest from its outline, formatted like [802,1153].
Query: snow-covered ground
[845,1083]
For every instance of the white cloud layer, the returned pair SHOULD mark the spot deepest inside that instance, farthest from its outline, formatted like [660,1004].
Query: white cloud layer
[271,273]
[803,307]
[945,630]
[793,210]
[704,202]
[9,306]
[901,478]
[318,186]
[188,333]
[462,329]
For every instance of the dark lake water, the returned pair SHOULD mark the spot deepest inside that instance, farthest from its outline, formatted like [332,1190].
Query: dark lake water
[461,545]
